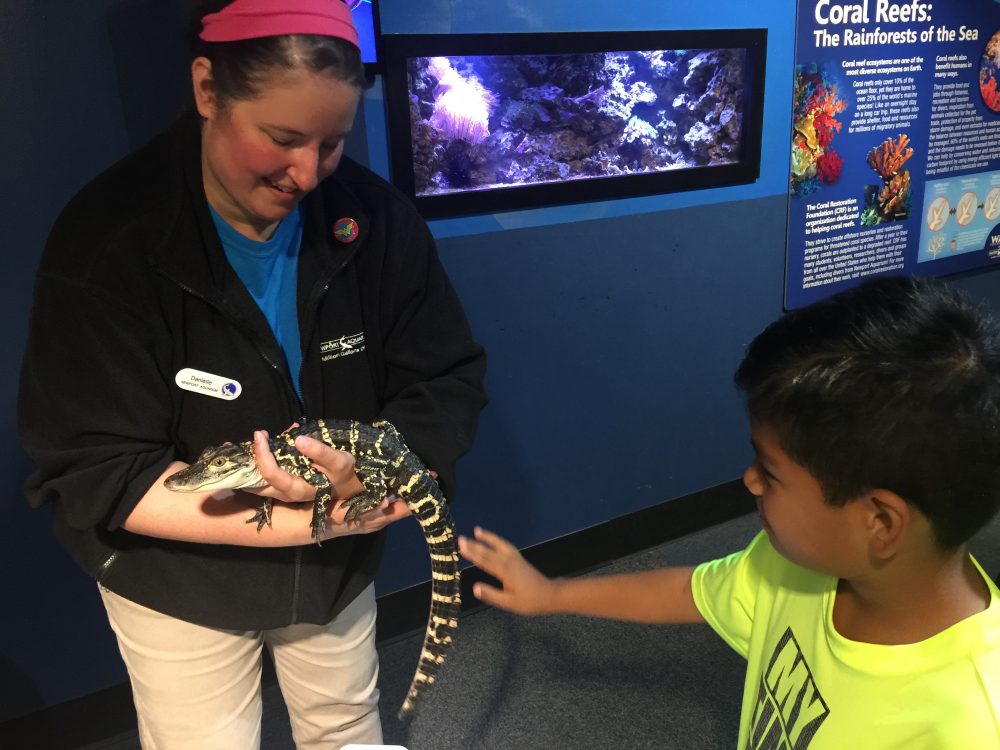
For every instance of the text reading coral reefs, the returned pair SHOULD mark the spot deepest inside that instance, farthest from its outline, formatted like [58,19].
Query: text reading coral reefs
[828,13]
[843,24]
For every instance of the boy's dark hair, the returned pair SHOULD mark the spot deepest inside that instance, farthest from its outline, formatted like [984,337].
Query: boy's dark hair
[239,67]
[894,384]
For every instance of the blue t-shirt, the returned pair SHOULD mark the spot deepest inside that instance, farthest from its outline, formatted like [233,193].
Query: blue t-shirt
[269,270]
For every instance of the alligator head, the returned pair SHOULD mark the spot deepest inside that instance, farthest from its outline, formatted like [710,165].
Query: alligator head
[223,467]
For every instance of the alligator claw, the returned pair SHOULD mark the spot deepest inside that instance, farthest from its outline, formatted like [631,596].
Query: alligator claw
[318,527]
[360,503]
[262,516]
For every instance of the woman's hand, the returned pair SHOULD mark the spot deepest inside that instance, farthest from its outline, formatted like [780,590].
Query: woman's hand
[391,509]
[525,590]
[338,467]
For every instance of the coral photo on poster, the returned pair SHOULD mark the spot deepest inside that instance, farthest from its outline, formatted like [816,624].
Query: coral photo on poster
[889,201]
[817,104]
[989,72]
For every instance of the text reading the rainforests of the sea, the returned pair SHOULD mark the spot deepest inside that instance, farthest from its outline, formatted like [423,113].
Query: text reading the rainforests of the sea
[843,24]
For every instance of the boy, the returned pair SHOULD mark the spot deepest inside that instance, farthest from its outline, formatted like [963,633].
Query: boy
[875,419]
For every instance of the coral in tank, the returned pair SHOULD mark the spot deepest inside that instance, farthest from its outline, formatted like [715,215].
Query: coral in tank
[814,124]
[891,200]
[461,104]
[482,122]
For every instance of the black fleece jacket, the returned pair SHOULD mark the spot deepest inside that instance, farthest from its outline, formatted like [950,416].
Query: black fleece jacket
[133,287]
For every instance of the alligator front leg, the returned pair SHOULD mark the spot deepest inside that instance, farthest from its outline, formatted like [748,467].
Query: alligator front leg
[263,514]
[370,499]
[324,494]
[320,504]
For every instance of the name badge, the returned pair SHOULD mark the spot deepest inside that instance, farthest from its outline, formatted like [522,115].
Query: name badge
[208,384]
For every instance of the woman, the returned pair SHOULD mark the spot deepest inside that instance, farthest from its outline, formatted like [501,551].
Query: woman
[230,277]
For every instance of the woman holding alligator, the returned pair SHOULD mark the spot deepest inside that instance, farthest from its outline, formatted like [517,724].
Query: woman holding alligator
[233,275]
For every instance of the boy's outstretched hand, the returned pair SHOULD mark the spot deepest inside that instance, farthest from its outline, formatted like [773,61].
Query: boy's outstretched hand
[525,590]
[660,595]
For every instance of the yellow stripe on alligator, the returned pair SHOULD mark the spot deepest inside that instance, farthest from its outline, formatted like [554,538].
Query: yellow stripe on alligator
[413,482]
[431,520]
[434,658]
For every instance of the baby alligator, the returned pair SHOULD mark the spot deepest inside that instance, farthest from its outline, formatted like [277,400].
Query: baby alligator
[383,464]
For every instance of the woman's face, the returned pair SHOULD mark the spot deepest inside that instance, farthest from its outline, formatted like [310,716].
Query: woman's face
[260,156]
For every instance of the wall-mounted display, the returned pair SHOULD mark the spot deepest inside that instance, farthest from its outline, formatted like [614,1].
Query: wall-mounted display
[895,142]
[365,16]
[488,122]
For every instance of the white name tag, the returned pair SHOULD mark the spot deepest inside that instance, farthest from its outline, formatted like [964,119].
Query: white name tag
[208,384]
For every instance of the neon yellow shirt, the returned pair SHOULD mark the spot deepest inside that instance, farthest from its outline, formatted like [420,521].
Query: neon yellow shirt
[809,687]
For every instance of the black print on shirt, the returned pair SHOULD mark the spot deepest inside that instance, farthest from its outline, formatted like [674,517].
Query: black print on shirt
[789,708]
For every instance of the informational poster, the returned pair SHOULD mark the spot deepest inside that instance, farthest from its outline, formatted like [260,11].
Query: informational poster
[895,142]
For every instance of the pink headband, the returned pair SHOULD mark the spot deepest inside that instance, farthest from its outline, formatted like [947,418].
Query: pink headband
[250,19]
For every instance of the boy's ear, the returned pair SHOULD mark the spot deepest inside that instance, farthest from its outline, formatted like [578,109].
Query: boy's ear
[204,86]
[888,518]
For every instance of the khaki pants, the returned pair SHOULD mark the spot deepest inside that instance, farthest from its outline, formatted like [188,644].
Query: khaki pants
[198,688]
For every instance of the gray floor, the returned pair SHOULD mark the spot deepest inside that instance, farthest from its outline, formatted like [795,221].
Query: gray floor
[568,682]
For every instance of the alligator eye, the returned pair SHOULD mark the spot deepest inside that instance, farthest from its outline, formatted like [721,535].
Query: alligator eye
[219,462]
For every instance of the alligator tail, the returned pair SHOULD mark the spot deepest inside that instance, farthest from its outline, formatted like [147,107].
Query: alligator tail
[425,501]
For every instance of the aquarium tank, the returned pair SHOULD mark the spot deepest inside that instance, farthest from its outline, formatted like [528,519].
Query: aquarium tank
[519,124]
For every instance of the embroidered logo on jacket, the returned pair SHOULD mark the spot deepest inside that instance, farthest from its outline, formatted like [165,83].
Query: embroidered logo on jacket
[789,708]
[345,346]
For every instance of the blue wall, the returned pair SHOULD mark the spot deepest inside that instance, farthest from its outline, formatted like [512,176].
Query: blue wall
[612,328]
